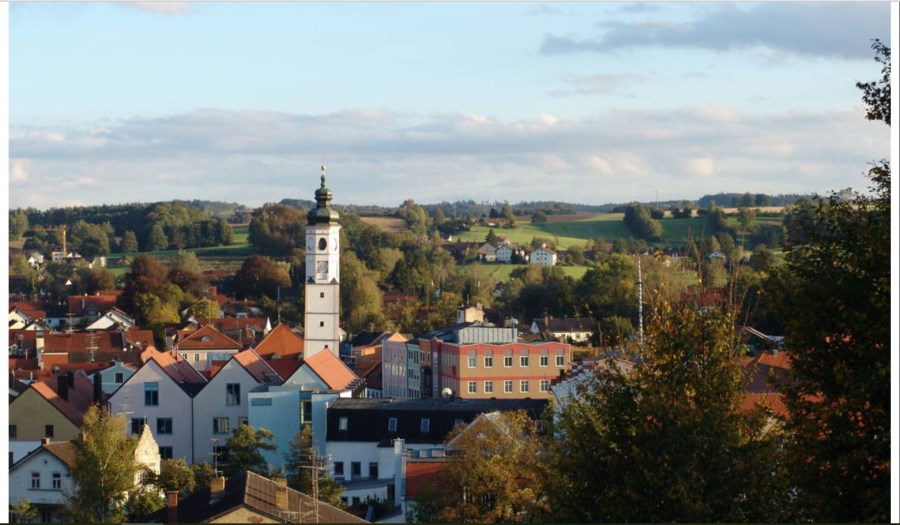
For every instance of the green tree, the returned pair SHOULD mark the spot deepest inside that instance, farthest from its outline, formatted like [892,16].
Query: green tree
[497,475]
[836,301]
[129,242]
[244,451]
[639,220]
[18,224]
[22,512]
[206,309]
[665,441]
[491,238]
[203,475]
[104,469]
[156,239]
[260,276]
[176,474]
[276,229]
[303,466]
[361,300]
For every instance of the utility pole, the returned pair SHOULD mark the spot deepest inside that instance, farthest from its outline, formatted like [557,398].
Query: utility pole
[640,283]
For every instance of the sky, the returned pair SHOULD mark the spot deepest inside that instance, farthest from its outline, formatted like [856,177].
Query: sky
[588,103]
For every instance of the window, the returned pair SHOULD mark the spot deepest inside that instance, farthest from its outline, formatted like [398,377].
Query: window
[507,387]
[233,394]
[165,453]
[560,360]
[507,359]
[243,421]
[151,394]
[373,470]
[48,431]
[473,361]
[473,388]
[425,425]
[57,480]
[488,358]
[321,295]
[488,387]
[220,425]
[137,425]
[392,424]
[342,423]
[355,469]
[13,432]
[196,358]
[220,453]
[35,480]
[163,425]
[261,401]
[545,358]
[338,468]
[545,385]
[523,358]
[307,411]
[523,386]
[321,324]
[119,378]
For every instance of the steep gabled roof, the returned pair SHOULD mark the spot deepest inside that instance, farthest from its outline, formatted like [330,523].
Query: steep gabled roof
[208,338]
[80,396]
[331,370]
[281,341]
[65,451]
[257,367]
[78,304]
[181,371]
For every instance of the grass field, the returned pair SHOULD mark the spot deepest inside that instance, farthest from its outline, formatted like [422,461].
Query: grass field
[574,233]
[386,224]
[500,272]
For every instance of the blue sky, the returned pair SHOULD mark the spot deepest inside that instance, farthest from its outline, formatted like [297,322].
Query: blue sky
[581,102]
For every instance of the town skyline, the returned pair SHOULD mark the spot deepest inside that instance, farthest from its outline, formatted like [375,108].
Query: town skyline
[114,103]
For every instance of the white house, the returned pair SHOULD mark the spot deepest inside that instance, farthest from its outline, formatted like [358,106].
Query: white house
[506,251]
[160,394]
[222,405]
[543,257]
[112,319]
[42,477]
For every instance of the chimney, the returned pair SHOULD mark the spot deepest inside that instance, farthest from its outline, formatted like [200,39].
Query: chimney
[216,486]
[62,386]
[172,506]
[98,388]
[45,441]
[281,494]
[70,377]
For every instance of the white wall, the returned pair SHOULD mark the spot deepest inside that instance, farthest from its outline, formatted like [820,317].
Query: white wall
[173,402]
[281,416]
[210,403]
[46,464]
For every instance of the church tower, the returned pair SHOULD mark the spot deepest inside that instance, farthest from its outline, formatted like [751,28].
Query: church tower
[323,265]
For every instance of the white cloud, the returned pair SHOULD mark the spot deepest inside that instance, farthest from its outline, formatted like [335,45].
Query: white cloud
[380,157]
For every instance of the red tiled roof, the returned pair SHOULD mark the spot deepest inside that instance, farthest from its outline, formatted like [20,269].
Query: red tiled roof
[281,341]
[208,338]
[255,366]
[23,364]
[102,303]
[771,401]
[285,368]
[331,370]
[177,368]
[80,396]
[422,475]
[66,451]
[32,312]
[25,335]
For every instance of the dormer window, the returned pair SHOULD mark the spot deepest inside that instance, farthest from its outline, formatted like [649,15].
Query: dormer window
[342,423]
[425,426]
[392,424]
[206,339]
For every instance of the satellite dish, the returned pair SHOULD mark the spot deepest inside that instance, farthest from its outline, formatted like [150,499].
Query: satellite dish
[447,393]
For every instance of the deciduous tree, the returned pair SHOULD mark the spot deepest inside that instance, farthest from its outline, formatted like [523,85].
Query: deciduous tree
[244,450]
[104,469]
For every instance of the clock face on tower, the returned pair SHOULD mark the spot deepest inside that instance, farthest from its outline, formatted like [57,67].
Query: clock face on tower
[321,269]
